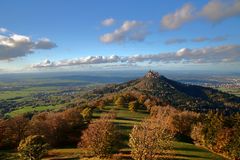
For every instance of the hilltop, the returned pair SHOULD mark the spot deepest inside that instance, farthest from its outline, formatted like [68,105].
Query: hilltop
[163,91]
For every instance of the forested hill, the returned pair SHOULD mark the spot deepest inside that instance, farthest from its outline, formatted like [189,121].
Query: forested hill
[163,91]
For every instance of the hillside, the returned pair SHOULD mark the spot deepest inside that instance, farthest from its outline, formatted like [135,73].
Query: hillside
[163,91]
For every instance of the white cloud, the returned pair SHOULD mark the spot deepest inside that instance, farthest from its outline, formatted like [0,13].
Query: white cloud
[130,30]
[179,17]
[44,43]
[214,11]
[79,61]
[108,22]
[220,54]
[218,10]
[15,45]
[3,30]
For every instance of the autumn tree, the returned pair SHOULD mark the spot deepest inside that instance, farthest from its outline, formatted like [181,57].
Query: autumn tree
[223,138]
[133,106]
[212,124]
[183,122]
[197,134]
[87,114]
[12,131]
[33,147]
[52,125]
[120,101]
[150,138]
[100,136]
[142,98]
[74,117]
[2,131]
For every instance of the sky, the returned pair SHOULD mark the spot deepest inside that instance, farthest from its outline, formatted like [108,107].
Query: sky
[67,35]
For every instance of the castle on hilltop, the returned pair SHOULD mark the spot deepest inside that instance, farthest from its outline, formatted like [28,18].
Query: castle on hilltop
[152,74]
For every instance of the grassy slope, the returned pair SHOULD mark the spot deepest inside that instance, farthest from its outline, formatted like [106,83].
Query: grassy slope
[125,121]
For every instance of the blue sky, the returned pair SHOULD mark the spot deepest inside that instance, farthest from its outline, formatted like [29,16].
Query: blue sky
[71,35]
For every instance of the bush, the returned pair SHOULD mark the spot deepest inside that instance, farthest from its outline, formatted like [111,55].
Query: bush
[33,148]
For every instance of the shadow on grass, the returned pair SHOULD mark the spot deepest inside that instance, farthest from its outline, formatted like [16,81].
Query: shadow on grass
[129,119]
[190,149]
[8,156]
[190,156]
[123,126]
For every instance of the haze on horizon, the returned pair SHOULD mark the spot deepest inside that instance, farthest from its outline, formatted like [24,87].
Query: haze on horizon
[60,35]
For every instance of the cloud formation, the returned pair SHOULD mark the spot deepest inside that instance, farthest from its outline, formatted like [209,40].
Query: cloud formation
[214,11]
[218,10]
[213,39]
[197,40]
[15,45]
[3,30]
[175,41]
[220,54]
[200,39]
[79,61]
[129,31]
[179,17]
[108,22]
[44,43]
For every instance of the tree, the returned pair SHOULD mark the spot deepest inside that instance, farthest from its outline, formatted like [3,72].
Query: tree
[100,136]
[120,101]
[150,138]
[33,147]
[133,106]
[222,139]
[52,125]
[142,98]
[212,124]
[13,130]
[87,114]
[73,118]
[197,134]
[2,131]
[183,122]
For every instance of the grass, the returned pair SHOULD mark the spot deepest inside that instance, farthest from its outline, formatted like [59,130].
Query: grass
[8,155]
[235,91]
[189,151]
[26,109]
